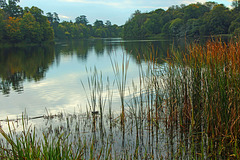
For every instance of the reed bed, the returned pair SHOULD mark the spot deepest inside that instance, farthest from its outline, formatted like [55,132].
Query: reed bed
[203,90]
[186,108]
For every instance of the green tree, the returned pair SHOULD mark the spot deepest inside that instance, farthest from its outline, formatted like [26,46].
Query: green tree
[50,17]
[2,24]
[234,25]
[30,28]
[12,9]
[108,23]
[48,32]
[38,14]
[81,20]
[176,26]
[210,5]
[98,23]
[236,32]
[13,31]
[192,27]
[217,21]
[56,19]
[236,4]
[133,28]
[194,11]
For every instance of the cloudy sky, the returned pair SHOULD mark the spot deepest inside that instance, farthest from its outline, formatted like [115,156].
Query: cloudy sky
[117,11]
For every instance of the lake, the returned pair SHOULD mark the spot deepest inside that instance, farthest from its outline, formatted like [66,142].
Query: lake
[122,99]
[55,87]
[50,77]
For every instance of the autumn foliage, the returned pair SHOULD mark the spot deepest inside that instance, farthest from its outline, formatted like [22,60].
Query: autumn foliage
[29,26]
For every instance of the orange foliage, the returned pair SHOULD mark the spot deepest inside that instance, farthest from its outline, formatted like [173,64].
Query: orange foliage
[216,53]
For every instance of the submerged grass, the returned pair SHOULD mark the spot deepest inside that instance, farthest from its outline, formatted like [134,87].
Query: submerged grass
[187,108]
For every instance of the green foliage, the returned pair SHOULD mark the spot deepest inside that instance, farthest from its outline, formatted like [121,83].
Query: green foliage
[30,28]
[194,11]
[236,32]
[98,23]
[80,29]
[81,20]
[134,27]
[28,25]
[13,30]
[175,26]
[2,24]
[217,21]
[195,19]
[12,9]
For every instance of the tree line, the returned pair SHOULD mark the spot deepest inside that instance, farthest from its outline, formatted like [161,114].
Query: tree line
[209,18]
[19,24]
[82,29]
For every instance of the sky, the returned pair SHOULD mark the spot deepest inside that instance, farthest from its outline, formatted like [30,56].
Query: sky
[117,11]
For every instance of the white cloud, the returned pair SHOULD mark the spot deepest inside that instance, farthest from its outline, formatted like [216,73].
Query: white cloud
[65,17]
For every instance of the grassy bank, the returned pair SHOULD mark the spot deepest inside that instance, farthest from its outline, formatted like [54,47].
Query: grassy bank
[187,108]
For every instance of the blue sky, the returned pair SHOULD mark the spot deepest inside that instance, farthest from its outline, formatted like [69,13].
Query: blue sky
[117,11]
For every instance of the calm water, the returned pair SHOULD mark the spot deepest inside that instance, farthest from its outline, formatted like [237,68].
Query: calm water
[39,78]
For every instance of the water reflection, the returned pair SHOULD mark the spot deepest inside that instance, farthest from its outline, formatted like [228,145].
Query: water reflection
[35,78]
[31,63]
[20,64]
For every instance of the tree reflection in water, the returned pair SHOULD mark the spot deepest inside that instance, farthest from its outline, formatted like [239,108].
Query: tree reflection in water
[31,63]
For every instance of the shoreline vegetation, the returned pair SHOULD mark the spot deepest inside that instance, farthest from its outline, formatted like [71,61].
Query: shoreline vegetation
[188,108]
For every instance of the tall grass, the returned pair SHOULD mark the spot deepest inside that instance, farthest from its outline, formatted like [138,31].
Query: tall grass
[120,72]
[203,86]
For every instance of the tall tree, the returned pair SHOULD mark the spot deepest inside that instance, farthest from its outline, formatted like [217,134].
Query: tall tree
[98,23]
[30,28]
[2,24]
[50,17]
[108,23]
[56,19]
[81,20]
[236,3]
[3,3]
[217,21]
[12,9]
[13,31]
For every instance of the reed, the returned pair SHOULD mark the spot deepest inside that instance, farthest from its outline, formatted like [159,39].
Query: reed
[204,86]
[121,81]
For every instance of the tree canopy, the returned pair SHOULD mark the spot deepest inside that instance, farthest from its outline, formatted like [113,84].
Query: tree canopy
[28,24]
[209,18]
[19,24]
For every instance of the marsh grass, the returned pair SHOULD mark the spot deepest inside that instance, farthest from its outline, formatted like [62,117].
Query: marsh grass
[187,108]
[203,89]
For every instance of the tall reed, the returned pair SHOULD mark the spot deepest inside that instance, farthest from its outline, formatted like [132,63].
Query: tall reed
[203,84]
[121,81]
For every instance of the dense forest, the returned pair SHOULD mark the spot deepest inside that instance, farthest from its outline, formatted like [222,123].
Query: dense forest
[19,24]
[81,29]
[199,19]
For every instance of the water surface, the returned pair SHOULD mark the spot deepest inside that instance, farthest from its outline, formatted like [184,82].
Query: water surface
[49,77]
